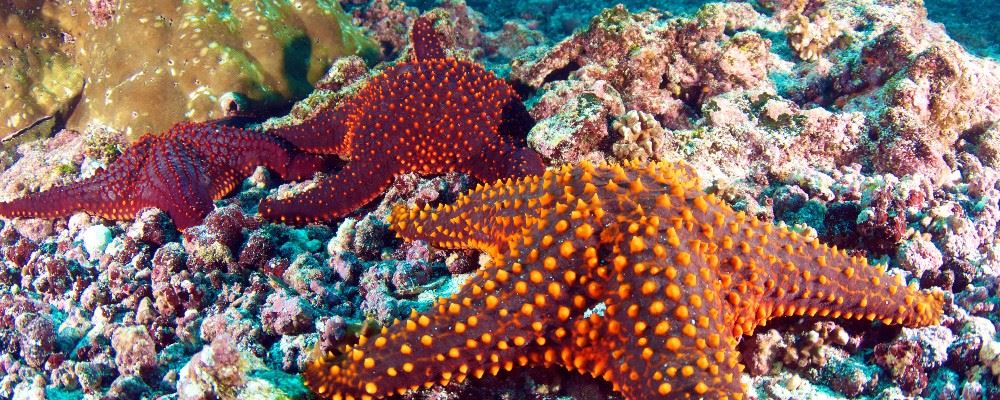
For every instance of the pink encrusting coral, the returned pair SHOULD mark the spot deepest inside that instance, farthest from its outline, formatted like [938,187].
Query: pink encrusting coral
[858,123]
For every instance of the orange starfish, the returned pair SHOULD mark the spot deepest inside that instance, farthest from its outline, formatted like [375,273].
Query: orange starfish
[631,274]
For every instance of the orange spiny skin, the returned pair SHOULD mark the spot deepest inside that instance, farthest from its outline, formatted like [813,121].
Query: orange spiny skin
[180,172]
[430,116]
[680,275]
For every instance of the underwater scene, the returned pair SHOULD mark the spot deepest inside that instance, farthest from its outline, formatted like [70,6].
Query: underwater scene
[499,199]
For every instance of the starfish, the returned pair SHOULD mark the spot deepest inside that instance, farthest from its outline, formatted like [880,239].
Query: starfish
[628,273]
[181,172]
[429,115]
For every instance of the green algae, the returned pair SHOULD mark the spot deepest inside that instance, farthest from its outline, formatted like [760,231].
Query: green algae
[67,169]
[151,64]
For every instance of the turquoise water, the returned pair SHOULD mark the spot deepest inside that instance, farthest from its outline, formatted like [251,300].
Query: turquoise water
[973,23]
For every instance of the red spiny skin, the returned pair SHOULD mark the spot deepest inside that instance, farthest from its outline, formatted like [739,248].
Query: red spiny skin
[430,116]
[323,134]
[427,42]
[180,172]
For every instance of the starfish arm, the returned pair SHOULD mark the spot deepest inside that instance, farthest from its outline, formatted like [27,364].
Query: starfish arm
[325,133]
[777,272]
[427,42]
[274,154]
[230,153]
[666,336]
[215,147]
[88,196]
[484,219]
[501,160]
[350,188]
[302,166]
[804,277]
[477,331]
[105,194]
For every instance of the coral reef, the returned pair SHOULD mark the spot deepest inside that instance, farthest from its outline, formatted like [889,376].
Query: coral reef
[38,73]
[642,137]
[624,49]
[886,143]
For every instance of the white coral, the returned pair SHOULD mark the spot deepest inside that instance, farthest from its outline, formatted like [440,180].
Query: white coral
[809,37]
[989,354]
[642,136]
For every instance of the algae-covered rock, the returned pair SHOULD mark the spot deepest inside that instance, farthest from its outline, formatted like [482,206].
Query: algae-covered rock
[142,66]
[37,73]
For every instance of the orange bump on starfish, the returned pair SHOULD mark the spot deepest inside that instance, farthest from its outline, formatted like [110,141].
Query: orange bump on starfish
[680,277]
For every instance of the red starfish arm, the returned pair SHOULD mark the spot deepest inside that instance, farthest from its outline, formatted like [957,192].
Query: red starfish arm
[502,160]
[104,194]
[427,42]
[87,195]
[324,133]
[358,183]
[302,166]
[230,153]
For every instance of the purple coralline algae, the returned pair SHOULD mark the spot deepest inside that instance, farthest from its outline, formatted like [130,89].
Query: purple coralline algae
[860,123]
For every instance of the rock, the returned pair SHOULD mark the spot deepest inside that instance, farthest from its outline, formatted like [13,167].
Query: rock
[135,351]
[95,240]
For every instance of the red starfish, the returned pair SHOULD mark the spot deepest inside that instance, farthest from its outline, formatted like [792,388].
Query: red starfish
[430,115]
[180,172]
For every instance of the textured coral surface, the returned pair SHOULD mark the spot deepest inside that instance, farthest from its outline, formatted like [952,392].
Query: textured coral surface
[148,65]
